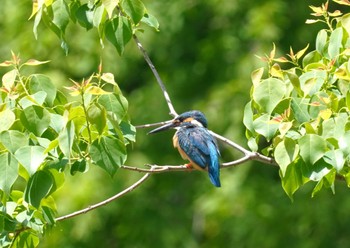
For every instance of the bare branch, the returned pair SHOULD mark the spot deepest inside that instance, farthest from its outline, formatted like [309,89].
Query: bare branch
[92,207]
[156,74]
[152,124]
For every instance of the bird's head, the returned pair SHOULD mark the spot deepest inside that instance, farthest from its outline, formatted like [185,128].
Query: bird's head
[193,118]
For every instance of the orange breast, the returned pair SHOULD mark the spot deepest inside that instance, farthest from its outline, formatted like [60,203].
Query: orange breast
[183,154]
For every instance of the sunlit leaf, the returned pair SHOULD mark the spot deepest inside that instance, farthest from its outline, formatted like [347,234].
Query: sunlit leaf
[312,148]
[31,157]
[110,6]
[268,93]
[7,118]
[8,172]
[285,153]
[8,79]
[36,119]
[13,140]
[66,139]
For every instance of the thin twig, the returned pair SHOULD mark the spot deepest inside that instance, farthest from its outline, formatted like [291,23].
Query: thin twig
[153,124]
[92,207]
[156,75]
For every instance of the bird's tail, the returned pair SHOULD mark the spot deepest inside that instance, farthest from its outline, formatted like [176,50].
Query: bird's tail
[214,172]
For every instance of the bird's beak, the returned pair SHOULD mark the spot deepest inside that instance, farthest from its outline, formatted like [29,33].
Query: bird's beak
[163,128]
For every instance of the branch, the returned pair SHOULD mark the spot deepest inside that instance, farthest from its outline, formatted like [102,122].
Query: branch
[105,202]
[156,75]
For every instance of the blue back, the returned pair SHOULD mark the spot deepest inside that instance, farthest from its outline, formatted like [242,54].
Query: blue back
[201,148]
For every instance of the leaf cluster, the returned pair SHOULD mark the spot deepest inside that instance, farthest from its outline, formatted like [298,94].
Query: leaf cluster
[42,134]
[299,114]
[114,20]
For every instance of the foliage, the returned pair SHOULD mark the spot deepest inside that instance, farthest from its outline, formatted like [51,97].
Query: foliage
[115,20]
[300,114]
[43,134]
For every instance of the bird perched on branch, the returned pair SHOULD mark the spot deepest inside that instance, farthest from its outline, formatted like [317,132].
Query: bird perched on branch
[195,143]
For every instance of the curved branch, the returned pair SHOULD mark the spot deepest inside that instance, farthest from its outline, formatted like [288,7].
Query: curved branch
[92,207]
[156,75]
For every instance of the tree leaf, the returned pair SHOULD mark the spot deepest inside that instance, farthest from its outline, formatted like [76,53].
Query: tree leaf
[285,153]
[151,21]
[66,139]
[13,140]
[335,42]
[39,82]
[60,14]
[293,178]
[7,118]
[110,5]
[312,148]
[264,126]
[31,157]
[85,16]
[115,104]
[119,32]
[38,187]
[97,117]
[135,9]
[8,79]
[109,153]
[268,93]
[36,119]
[8,172]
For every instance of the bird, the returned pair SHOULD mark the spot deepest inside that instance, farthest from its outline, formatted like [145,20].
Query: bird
[195,143]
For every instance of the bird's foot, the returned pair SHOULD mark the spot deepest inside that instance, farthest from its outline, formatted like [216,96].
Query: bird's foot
[189,166]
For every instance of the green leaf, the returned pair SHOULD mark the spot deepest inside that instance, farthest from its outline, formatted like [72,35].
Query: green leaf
[135,9]
[38,187]
[26,239]
[293,178]
[128,130]
[119,32]
[8,172]
[78,166]
[8,79]
[321,41]
[110,6]
[265,126]
[268,93]
[36,119]
[85,16]
[248,116]
[31,157]
[335,42]
[13,140]
[327,181]
[66,139]
[60,14]
[39,82]
[7,118]
[285,153]
[312,81]
[299,107]
[97,117]
[109,153]
[312,148]
[151,21]
[335,158]
[115,104]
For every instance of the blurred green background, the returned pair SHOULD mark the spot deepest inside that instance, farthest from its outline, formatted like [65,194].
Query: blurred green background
[205,52]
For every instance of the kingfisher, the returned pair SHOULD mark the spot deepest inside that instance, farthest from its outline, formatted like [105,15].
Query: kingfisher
[195,143]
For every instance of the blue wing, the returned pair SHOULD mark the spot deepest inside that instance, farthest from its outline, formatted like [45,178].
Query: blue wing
[201,148]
